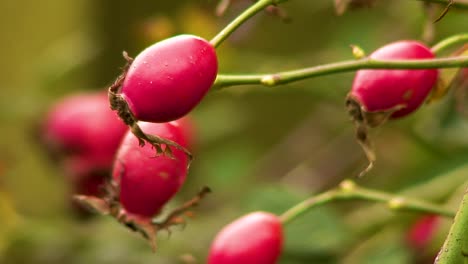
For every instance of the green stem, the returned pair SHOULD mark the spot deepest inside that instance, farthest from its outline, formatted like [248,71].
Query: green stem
[448,42]
[462,5]
[273,79]
[238,21]
[455,248]
[348,190]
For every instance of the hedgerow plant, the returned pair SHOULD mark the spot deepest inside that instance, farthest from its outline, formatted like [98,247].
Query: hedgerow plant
[170,78]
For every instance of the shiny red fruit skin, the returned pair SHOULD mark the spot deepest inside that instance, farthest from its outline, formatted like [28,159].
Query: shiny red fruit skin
[384,89]
[148,181]
[187,126]
[83,126]
[168,79]
[256,238]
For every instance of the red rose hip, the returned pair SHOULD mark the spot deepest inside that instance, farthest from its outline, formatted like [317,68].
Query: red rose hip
[256,238]
[380,90]
[84,127]
[168,79]
[147,181]
[422,231]
[188,128]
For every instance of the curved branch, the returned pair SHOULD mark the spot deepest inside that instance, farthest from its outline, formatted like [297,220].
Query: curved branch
[273,79]
[348,190]
[448,42]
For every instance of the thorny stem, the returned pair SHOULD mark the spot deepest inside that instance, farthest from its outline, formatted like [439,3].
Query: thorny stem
[273,79]
[238,21]
[348,190]
[455,248]
[448,42]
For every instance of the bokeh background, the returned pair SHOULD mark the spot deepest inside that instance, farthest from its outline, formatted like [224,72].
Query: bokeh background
[258,148]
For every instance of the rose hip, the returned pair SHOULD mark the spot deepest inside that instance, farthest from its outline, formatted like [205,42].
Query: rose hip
[422,231]
[147,181]
[256,238]
[168,79]
[187,128]
[384,90]
[84,126]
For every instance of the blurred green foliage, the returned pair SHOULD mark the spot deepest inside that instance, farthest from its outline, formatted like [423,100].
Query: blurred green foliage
[258,148]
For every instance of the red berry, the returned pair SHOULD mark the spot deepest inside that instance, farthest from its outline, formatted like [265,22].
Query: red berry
[187,127]
[84,125]
[169,78]
[384,89]
[422,231]
[256,238]
[147,181]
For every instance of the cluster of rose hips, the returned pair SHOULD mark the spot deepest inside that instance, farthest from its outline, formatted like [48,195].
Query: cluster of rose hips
[148,163]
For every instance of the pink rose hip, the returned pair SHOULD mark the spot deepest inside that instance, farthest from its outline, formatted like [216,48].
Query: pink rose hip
[188,129]
[379,94]
[147,181]
[256,238]
[380,90]
[422,231]
[83,126]
[168,79]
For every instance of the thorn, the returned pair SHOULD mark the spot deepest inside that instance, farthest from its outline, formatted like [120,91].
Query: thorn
[446,9]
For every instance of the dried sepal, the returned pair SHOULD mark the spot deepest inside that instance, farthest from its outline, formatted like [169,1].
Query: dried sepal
[146,227]
[364,120]
[92,203]
[118,104]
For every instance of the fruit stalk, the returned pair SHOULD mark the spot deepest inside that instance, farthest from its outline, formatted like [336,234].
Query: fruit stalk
[239,20]
[348,190]
[455,248]
[449,42]
[273,79]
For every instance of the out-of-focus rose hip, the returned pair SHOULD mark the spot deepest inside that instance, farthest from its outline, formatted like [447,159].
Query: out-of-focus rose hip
[168,79]
[256,238]
[422,231]
[188,129]
[83,125]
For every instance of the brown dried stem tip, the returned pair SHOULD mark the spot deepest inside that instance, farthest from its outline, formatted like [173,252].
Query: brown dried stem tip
[118,104]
